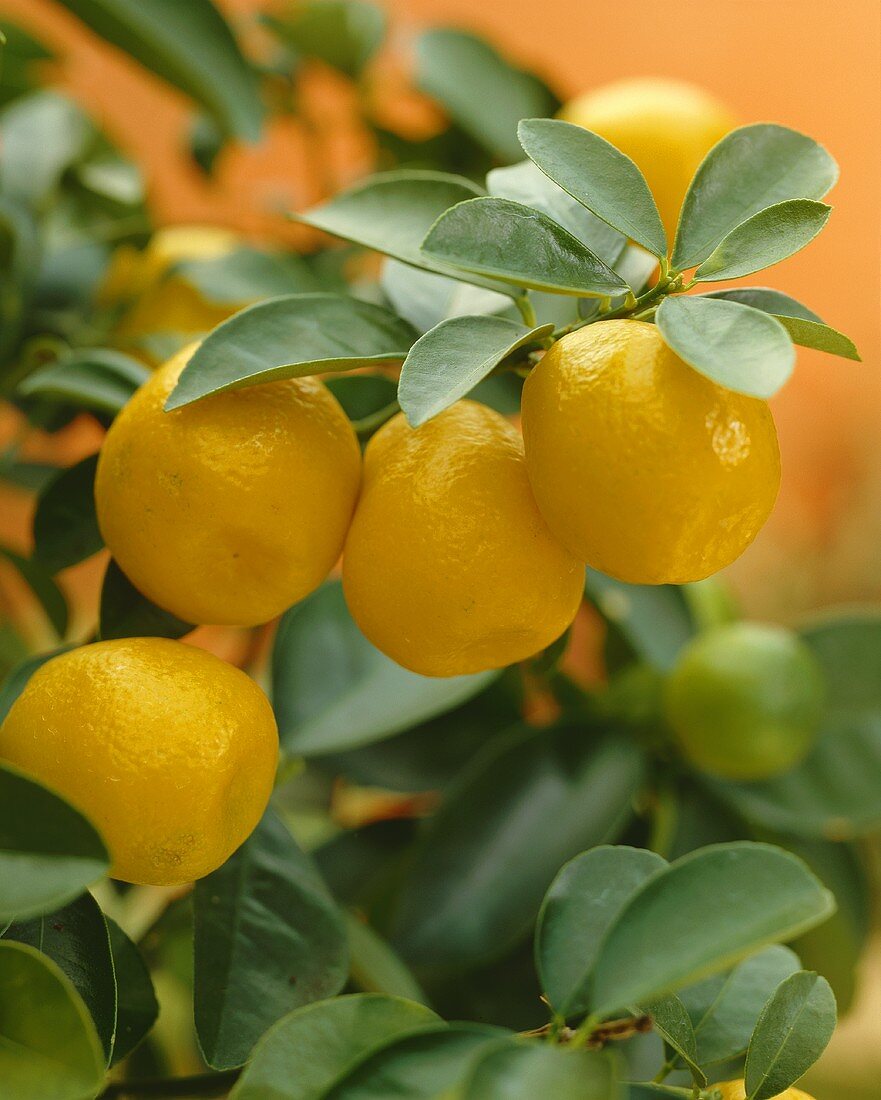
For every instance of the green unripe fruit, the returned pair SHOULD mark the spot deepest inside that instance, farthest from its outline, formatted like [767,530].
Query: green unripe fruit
[745,701]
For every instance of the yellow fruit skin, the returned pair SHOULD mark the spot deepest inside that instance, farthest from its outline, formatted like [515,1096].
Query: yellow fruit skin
[170,752]
[642,467]
[449,567]
[229,510]
[666,126]
[736,1090]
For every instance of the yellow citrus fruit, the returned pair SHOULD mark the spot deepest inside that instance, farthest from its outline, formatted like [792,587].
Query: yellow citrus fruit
[449,567]
[666,126]
[642,467]
[736,1090]
[745,700]
[229,510]
[170,752]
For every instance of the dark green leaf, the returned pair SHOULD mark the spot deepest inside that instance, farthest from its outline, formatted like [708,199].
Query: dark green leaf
[189,45]
[19,267]
[65,522]
[342,33]
[125,613]
[740,348]
[375,967]
[679,908]
[768,300]
[598,175]
[49,853]
[520,1070]
[76,939]
[792,1032]
[15,682]
[333,690]
[582,904]
[483,93]
[268,939]
[48,1044]
[290,337]
[448,362]
[672,1021]
[20,51]
[362,394]
[334,1035]
[97,379]
[40,582]
[765,239]
[488,855]
[505,240]
[751,168]
[136,1008]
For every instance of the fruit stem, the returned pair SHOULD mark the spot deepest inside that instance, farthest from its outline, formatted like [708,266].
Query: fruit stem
[527,310]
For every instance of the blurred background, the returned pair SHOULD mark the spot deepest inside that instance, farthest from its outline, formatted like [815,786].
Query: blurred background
[803,63]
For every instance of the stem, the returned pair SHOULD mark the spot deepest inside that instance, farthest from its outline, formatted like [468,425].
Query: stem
[583,1032]
[527,310]
[664,818]
[663,1073]
[201,1084]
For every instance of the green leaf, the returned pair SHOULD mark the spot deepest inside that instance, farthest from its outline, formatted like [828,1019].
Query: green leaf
[125,613]
[15,682]
[448,362]
[765,239]
[600,177]
[809,334]
[748,170]
[483,93]
[362,394]
[654,619]
[98,379]
[268,939]
[792,1032]
[76,939]
[332,690]
[375,967]
[49,853]
[19,266]
[582,904]
[246,275]
[40,582]
[189,45]
[723,1009]
[425,299]
[291,337]
[334,1036]
[700,936]
[736,346]
[520,1070]
[48,1044]
[20,51]
[516,244]
[342,33]
[488,855]
[392,212]
[836,792]
[65,523]
[136,1008]
[673,1023]
[42,134]
[418,1067]
[527,184]
[767,300]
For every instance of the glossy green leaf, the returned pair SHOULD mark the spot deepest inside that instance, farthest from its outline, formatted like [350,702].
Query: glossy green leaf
[790,1035]
[136,1007]
[740,348]
[724,1008]
[527,184]
[482,92]
[374,966]
[48,1044]
[291,337]
[332,690]
[425,299]
[125,613]
[748,170]
[700,937]
[809,334]
[65,523]
[766,299]
[600,177]
[326,1040]
[582,904]
[342,33]
[392,212]
[673,1023]
[488,857]
[521,1070]
[836,792]
[448,362]
[516,244]
[76,938]
[247,274]
[42,134]
[765,239]
[418,1067]
[189,45]
[38,578]
[49,853]
[268,939]
[98,379]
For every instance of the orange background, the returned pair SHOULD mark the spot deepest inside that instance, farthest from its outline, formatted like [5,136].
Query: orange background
[805,63]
